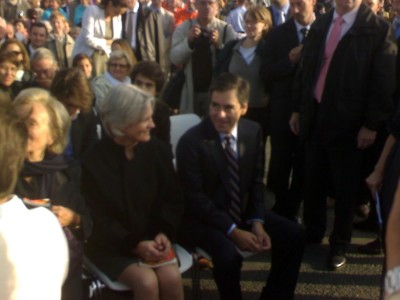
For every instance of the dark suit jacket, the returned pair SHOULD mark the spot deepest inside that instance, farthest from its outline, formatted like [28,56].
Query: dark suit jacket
[28,49]
[83,133]
[359,84]
[278,73]
[139,22]
[203,172]
[161,118]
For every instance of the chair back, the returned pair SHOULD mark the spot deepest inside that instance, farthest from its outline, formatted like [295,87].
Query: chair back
[179,125]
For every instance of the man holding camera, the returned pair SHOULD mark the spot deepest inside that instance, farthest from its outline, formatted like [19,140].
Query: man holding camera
[194,45]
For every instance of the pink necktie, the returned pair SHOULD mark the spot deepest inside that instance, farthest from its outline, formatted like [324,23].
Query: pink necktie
[330,47]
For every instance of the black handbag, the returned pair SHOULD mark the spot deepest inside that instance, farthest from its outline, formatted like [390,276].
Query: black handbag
[173,90]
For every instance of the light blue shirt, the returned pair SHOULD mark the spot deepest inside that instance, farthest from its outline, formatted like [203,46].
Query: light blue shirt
[277,13]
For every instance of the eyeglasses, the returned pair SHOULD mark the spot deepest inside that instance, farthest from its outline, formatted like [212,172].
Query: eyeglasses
[121,66]
[44,72]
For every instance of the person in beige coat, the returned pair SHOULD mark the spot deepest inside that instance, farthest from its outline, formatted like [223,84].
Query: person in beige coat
[60,43]
[194,45]
[155,33]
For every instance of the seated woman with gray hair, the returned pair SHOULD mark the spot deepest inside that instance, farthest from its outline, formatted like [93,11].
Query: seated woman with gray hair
[50,179]
[119,67]
[129,182]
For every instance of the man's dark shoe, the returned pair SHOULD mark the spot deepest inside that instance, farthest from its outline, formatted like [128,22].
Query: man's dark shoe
[336,260]
[371,248]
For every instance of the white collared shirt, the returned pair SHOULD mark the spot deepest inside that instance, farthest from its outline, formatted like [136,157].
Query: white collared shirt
[299,27]
[234,140]
[132,14]
[348,18]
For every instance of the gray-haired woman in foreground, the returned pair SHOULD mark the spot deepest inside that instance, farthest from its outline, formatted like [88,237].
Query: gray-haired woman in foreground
[129,182]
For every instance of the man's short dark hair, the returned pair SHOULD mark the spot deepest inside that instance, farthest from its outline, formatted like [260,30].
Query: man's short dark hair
[227,82]
[150,70]
[39,25]
[13,137]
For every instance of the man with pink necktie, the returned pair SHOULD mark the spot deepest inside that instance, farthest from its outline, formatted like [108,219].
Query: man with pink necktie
[342,95]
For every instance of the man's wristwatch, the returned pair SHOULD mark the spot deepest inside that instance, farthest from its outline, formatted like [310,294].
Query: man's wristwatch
[392,281]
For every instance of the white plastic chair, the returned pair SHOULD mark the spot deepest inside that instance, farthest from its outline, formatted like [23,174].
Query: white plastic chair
[179,125]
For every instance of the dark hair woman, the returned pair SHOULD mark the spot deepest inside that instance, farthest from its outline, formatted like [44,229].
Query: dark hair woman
[72,88]
[9,64]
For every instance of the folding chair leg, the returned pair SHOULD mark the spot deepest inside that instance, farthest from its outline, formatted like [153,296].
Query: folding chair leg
[96,290]
[196,288]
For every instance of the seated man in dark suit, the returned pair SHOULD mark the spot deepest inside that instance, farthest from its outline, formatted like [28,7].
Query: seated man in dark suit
[220,168]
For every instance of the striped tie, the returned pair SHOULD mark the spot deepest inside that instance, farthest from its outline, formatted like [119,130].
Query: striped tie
[234,192]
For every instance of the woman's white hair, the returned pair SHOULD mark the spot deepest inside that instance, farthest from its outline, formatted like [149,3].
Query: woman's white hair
[123,106]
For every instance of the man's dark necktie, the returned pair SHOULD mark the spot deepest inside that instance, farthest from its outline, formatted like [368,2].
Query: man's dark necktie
[234,192]
[157,18]
[304,32]
[129,29]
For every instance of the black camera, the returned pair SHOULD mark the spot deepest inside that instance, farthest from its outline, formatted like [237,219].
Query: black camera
[205,34]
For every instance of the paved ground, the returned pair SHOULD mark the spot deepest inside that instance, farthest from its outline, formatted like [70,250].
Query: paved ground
[359,279]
